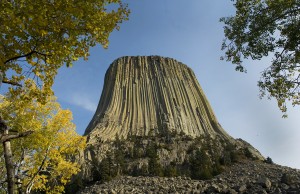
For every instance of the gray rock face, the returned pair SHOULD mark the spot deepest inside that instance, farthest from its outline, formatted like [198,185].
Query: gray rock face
[152,94]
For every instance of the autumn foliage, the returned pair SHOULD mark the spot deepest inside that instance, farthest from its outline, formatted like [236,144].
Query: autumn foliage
[39,142]
[37,38]
[44,160]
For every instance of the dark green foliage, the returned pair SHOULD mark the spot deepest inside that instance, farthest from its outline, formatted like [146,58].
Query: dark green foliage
[168,136]
[96,173]
[196,144]
[226,159]
[205,174]
[118,143]
[137,152]
[200,165]
[75,185]
[118,156]
[184,169]
[154,167]
[111,166]
[260,28]
[106,169]
[119,161]
[229,156]
[217,169]
[144,170]
[135,171]
[171,170]
[234,156]
[248,154]
[269,160]
[203,160]
[192,148]
[287,178]
[151,150]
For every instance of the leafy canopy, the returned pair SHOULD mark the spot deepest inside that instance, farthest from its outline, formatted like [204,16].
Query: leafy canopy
[44,160]
[37,38]
[263,27]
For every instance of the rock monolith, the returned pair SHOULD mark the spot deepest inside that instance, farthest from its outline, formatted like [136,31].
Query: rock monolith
[152,94]
[153,112]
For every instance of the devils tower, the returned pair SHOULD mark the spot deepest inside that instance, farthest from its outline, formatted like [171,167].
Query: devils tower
[154,119]
[152,94]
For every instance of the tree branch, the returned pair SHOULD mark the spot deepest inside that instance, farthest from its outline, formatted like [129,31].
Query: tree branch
[5,138]
[25,55]
[30,184]
[20,56]
[270,20]
[6,81]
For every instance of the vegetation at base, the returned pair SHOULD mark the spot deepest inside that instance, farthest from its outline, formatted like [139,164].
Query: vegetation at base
[269,160]
[200,165]
[140,156]
[229,156]
[171,170]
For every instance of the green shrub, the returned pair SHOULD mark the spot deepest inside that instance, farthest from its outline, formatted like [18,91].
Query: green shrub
[269,160]
[226,159]
[200,165]
[154,167]
[170,170]
[248,153]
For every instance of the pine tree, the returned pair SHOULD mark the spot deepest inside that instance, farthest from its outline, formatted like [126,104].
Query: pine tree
[200,165]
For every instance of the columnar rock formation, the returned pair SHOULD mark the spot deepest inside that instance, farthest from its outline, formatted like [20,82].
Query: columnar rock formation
[158,110]
[152,94]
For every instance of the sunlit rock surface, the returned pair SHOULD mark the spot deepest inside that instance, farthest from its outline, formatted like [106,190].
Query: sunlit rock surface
[152,94]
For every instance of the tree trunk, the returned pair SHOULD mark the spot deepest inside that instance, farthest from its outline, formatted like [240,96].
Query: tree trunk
[5,139]
[7,156]
[9,164]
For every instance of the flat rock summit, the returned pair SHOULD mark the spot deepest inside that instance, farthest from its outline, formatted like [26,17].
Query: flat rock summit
[153,120]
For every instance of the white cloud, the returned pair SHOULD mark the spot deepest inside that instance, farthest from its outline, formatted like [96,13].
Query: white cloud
[83,101]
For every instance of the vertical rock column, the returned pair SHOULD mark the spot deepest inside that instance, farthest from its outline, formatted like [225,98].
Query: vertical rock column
[152,93]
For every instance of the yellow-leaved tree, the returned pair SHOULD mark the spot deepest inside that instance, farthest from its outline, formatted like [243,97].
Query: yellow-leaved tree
[36,39]
[45,160]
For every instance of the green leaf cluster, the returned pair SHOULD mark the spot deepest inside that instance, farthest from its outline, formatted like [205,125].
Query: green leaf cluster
[261,28]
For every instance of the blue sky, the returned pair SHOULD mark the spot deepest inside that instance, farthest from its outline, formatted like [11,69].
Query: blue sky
[190,32]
